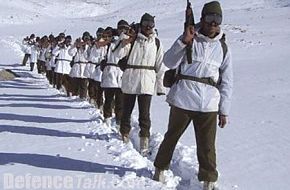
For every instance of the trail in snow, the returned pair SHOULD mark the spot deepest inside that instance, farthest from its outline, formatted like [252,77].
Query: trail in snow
[125,154]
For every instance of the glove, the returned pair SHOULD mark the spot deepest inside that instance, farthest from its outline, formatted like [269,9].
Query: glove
[160,93]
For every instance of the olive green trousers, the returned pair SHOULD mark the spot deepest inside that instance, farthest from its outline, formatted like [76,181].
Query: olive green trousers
[205,124]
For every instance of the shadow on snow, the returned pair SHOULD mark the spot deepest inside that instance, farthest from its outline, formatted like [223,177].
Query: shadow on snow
[38,119]
[41,131]
[63,163]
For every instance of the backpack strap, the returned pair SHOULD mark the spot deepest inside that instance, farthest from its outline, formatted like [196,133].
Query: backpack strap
[225,51]
[108,47]
[132,44]
[123,63]
[117,46]
[157,42]
[224,46]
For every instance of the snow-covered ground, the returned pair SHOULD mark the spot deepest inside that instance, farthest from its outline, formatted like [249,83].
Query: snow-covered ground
[44,133]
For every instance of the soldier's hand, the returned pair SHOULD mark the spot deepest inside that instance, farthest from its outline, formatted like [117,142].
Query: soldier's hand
[222,121]
[131,32]
[188,35]
[102,43]
[127,41]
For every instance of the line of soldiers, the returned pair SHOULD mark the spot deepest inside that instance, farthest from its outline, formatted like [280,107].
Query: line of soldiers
[127,64]
[112,70]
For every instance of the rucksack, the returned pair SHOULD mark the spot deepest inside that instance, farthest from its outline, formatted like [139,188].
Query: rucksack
[170,76]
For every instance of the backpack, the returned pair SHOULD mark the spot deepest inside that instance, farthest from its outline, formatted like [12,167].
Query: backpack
[170,76]
[124,61]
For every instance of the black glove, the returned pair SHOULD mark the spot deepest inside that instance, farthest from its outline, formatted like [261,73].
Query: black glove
[160,93]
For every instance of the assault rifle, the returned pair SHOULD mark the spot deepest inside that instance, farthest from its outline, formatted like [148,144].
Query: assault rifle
[170,76]
[189,21]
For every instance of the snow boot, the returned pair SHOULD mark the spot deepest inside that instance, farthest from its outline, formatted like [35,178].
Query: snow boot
[108,122]
[159,175]
[125,138]
[118,125]
[101,108]
[207,185]
[92,101]
[144,146]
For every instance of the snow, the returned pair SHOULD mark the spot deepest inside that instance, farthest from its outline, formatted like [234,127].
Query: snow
[44,133]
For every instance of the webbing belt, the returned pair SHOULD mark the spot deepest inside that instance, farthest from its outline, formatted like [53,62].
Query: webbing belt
[205,80]
[63,60]
[140,67]
[97,64]
[111,64]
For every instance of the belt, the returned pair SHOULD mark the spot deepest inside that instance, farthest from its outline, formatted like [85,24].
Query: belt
[140,67]
[111,64]
[63,60]
[204,80]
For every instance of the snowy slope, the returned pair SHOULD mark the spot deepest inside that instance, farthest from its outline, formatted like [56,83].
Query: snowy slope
[45,133]
[60,136]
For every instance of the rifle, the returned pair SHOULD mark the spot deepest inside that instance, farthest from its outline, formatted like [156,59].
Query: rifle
[189,21]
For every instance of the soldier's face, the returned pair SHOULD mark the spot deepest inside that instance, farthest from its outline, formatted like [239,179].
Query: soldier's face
[147,27]
[107,36]
[68,41]
[123,28]
[99,35]
[210,29]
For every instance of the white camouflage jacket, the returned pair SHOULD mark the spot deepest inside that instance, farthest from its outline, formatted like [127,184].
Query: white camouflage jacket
[50,58]
[93,69]
[112,74]
[26,46]
[208,61]
[63,59]
[34,53]
[144,81]
[80,61]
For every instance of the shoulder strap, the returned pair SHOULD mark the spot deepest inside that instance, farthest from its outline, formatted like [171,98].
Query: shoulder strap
[106,57]
[224,46]
[117,46]
[132,44]
[225,50]
[157,42]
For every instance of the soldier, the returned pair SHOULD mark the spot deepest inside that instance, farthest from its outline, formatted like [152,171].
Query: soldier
[93,71]
[144,72]
[79,51]
[27,44]
[201,94]
[41,58]
[50,59]
[34,53]
[112,74]
[63,67]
